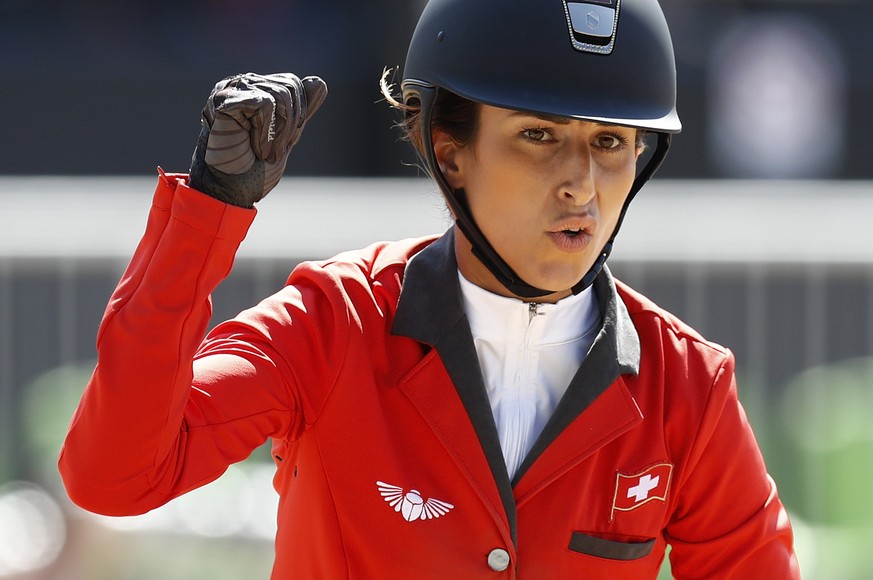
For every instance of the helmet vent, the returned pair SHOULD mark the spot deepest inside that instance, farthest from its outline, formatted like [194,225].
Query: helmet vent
[592,24]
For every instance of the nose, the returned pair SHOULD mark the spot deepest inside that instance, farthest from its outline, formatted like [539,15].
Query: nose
[579,184]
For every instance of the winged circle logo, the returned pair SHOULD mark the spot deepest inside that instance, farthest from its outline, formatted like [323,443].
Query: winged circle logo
[411,505]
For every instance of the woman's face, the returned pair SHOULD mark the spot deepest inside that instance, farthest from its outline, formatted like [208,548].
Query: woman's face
[546,192]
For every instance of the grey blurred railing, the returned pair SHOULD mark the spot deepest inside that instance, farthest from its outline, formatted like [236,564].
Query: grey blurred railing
[780,272]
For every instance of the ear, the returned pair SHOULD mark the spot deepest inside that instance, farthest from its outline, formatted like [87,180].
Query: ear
[640,144]
[447,153]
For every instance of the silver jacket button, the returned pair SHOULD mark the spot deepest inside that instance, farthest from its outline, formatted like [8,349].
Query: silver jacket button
[498,559]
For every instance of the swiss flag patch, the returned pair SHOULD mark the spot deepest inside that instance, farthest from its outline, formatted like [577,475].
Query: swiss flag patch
[632,491]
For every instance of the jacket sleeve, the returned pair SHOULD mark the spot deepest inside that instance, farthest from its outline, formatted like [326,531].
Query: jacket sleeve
[729,521]
[153,423]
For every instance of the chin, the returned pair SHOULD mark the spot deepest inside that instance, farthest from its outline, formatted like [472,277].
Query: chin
[558,281]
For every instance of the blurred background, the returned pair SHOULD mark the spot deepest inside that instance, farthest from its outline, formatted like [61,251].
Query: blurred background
[757,231]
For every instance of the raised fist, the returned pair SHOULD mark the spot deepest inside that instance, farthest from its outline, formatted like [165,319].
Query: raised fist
[248,127]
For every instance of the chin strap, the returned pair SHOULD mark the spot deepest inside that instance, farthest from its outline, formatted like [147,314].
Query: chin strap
[481,247]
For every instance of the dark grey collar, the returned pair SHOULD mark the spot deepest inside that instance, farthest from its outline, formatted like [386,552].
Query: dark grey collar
[430,299]
[430,305]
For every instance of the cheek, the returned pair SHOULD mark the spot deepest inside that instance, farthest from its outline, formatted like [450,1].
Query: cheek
[615,189]
[491,188]
[503,205]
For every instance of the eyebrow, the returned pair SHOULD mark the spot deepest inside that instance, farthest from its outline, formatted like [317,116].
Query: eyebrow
[558,120]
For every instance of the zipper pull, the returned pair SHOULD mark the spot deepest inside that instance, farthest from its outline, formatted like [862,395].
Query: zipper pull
[532,310]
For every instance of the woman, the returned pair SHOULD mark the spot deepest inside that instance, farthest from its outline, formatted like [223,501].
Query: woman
[491,403]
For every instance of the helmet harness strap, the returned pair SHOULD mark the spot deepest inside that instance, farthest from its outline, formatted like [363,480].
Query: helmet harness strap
[481,247]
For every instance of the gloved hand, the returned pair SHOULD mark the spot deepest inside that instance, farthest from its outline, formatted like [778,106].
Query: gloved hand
[248,127]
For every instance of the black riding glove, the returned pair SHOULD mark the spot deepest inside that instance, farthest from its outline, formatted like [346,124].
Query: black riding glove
[248,127]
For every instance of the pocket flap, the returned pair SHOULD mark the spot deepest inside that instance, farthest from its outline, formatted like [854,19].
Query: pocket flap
[593,546]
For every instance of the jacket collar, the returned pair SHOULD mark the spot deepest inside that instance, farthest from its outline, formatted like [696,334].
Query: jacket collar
[430,299]
[431,304]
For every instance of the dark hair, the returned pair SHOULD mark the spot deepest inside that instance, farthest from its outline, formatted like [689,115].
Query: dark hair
[456,116]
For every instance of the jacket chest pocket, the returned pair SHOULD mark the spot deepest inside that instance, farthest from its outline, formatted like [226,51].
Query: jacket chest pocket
[610,549]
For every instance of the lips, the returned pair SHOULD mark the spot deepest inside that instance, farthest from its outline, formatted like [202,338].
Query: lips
[573,234]
[573,226]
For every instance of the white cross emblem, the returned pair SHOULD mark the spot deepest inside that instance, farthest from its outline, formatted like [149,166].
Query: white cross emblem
[641,491]
[633,491]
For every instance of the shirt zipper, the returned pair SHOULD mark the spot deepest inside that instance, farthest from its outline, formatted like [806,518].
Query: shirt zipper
[532,308]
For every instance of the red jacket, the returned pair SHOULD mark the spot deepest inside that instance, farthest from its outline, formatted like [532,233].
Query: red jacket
[362,370]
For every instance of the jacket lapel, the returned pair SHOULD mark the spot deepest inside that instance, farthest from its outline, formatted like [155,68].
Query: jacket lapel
[612,414]
[430,311]
[597,406]
[596,409]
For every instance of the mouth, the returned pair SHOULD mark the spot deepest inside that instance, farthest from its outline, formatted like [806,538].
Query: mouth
[574,226]
[572,233]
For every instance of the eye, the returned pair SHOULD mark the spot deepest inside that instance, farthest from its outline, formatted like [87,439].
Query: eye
[537,134]
[611,141]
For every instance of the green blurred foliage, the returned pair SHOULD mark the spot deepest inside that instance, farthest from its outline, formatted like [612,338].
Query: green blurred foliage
[825,415]
[822,438]
[48,406]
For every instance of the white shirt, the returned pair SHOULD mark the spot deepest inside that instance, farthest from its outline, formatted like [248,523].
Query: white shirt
[528,353]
